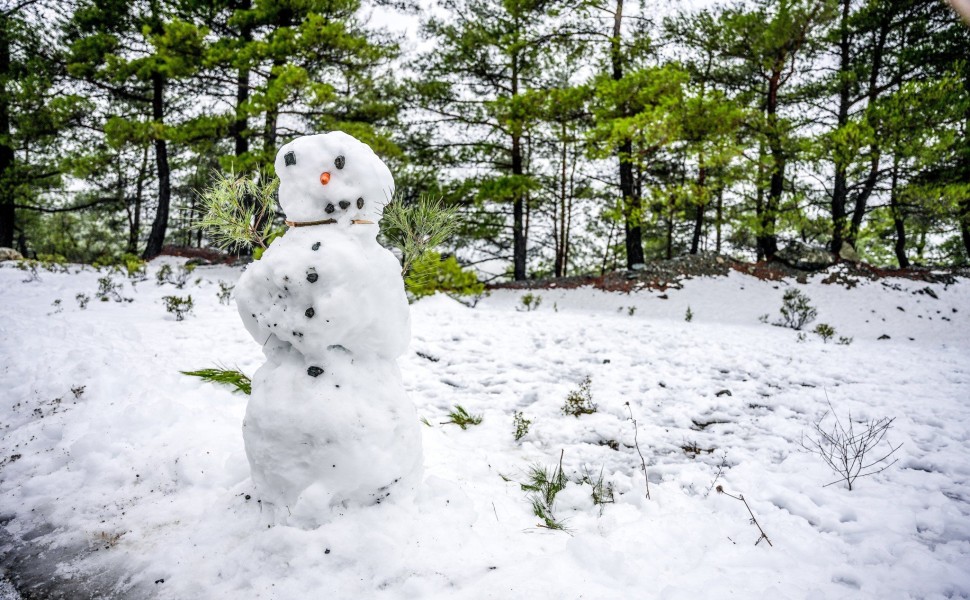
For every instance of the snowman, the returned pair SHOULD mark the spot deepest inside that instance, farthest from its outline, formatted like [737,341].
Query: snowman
[328,424]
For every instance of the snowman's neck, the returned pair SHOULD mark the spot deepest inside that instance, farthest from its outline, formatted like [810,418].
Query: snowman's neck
[326,222]
[309,223]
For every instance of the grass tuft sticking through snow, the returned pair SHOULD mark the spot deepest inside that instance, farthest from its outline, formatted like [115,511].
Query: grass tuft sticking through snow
[462,418]
[229,377]
[543,487]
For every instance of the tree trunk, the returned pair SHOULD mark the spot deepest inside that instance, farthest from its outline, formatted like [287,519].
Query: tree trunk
[518,205]
[898,220]
[964,217]
[8,213]
[862,198]
[695,239]
[840,188]
[630,202]
[720,217]
[559,220]
[239,126]
[156,239]
[767,240]
[134,216]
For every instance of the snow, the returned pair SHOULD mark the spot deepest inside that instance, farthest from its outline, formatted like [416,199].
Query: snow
[328,424]
[138,486]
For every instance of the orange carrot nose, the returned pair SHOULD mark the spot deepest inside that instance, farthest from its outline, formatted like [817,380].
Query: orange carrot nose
[324,178]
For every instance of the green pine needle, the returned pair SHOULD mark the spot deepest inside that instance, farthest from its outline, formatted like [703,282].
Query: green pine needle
[461,418]
[417,227]
[238,210]
[229,377]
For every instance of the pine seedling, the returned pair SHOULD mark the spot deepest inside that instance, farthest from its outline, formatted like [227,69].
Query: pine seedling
[689,315]
[225,292]
[580,402]
[108,290]
[82,300]
[238,210]
[178,306]
[602,490]
[824,331]
[521,425]
[416,227]
[530,301]
[543,487]
[229,377]
[461,418]
[796,310]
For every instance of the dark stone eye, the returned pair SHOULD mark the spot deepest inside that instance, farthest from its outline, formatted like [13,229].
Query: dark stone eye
[360,203]
[314,371]
[315,246]
[309,313]
[330,208]
[339,162]
[289,158]
[312,276]
[344,204]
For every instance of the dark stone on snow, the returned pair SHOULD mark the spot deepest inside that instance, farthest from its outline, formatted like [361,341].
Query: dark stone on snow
[807,258]
[339,162]
[310,312]
[315,246]
[724,393]
[289,159]
[330,208]
[344,204]
[312,276]
[314,371]
[883,337]
[360,203]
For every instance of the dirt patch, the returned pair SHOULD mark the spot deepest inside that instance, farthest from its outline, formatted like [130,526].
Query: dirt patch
[203,256]
[666,274]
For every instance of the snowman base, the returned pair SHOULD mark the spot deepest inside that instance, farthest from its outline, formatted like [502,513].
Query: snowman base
[319,444]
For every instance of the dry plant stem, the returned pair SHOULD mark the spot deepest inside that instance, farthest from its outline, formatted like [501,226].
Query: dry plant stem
[636,443]
[720,471]
[764,536]
[845,451]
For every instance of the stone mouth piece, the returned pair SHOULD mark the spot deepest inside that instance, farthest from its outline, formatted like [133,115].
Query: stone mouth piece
[309,223]
[326,222]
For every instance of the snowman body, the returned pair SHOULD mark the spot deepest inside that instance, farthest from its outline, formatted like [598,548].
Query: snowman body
[328,423]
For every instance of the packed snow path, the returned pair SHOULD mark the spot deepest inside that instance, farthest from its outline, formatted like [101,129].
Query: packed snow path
[136,483]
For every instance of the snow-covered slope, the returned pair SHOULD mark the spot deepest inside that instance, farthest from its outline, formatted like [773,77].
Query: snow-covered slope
[136,484]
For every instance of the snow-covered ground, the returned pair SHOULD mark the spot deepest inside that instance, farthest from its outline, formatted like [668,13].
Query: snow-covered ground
[120,477]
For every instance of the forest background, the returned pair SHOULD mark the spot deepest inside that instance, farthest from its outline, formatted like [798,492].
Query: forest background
[574,136]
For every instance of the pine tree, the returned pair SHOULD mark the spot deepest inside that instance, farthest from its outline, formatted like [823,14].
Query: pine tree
[487,60]
[139,53]
[35,108]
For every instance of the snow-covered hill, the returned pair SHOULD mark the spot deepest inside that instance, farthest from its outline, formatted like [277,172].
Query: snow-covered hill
[120,477]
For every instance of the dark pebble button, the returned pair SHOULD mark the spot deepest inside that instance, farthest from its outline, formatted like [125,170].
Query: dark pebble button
[315,246]
[314,371]
[309,313]
[360,203]
[330,208]
[344,204]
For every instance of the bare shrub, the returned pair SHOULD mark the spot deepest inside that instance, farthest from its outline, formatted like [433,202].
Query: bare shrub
[849,449]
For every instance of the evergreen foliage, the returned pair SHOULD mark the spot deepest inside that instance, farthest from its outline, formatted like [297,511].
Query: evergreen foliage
[233,378]
[573,137]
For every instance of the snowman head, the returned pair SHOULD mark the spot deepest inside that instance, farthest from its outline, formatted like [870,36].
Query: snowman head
[333,179]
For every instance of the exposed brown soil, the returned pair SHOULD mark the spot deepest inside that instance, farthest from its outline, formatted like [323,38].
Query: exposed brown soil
[209,256]
[663,274]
